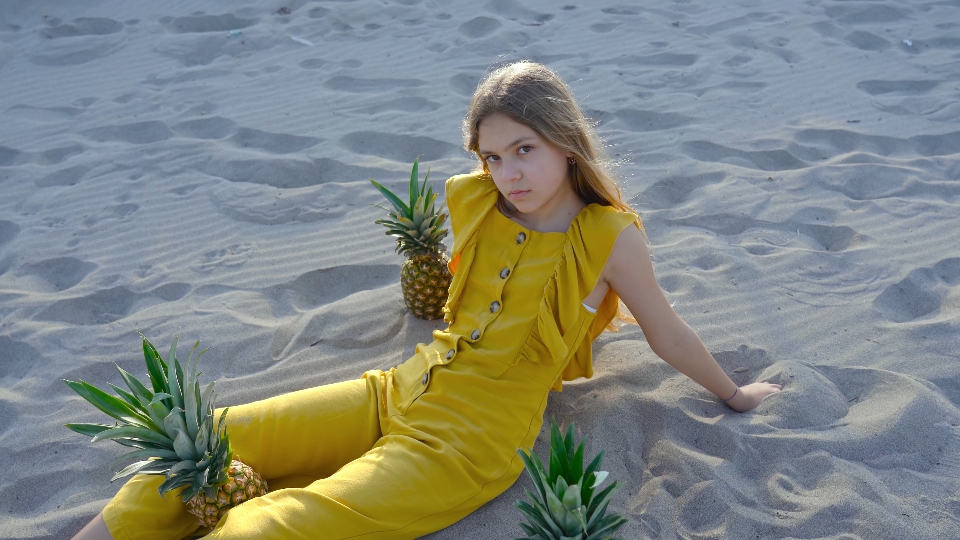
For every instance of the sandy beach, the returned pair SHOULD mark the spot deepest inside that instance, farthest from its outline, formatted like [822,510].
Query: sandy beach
[201,169]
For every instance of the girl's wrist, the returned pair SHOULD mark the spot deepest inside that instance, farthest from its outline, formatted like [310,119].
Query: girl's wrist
[735,393]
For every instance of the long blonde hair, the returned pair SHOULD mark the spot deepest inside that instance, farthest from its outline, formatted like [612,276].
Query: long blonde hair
[533,95]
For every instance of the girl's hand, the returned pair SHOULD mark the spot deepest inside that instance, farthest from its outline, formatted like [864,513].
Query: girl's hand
[751,395]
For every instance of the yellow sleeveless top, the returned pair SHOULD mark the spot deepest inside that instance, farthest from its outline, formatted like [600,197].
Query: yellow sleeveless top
[540,316]
[516,328]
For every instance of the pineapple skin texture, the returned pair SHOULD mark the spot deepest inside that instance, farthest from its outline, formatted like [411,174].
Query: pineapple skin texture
[243,484]
[425,279]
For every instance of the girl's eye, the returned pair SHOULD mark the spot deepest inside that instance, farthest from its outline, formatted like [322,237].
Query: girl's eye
[491,158]
[525,149]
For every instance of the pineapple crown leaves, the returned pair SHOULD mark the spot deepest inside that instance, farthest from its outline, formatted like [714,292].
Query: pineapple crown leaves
[417,225]
[566,505]
[170,428]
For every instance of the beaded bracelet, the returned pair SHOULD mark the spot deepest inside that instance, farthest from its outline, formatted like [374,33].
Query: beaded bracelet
[733,396]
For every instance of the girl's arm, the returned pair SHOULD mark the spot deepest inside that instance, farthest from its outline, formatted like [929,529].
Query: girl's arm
[630,273]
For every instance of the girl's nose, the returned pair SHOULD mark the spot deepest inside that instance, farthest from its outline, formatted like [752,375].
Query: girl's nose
[509,170]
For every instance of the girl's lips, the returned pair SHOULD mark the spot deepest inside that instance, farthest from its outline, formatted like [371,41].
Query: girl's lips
[518,193]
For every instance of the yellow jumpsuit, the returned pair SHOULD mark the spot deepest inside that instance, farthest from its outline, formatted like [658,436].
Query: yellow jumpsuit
[406,452]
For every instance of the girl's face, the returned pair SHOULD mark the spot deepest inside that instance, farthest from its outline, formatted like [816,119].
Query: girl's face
[530,173]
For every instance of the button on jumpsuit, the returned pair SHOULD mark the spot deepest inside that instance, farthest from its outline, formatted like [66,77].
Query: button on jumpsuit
[405,452]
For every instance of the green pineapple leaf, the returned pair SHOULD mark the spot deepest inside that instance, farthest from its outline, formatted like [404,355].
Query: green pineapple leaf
[564,506]
[89,430]
[113,406]
[414,176]
[144,453]
[136,387]
[394,200]
[156,369]
[132,433]
[129,398]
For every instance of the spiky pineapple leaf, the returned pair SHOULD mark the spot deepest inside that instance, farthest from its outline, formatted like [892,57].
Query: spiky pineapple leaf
[133,433]
[184,447]
[133,468]
[156,369]
[89,430]
[176,378]
[129,398]
[145,453]
[414,188]
[394,200]
[111,405]
[159,466]
[567,507]
[135,386]
[174,482]
[137,443]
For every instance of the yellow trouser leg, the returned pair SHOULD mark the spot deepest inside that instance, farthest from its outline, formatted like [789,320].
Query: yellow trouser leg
[403,488]
[291,440]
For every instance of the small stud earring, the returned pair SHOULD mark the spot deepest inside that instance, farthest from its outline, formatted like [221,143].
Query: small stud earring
[571,161]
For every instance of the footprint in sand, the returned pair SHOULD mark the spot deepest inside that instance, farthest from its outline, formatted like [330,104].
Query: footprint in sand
[11,156]
[764,160]
[18,358]
[83,27]
[908,88]
[274,143]
[44,114]
[136,133]
[840,141]
[401,104]
[312,63]
[515,11]
[464,83]
[353,84]
[59,274]
[77,42]
[291,173]
[214,127]
[866,41]
[230,256]
[603,28]
[402,148]
[479,27]
[644,121]
[817,236]
[198,24]
[909,97]
[327,285]
[921,294]
[653,60]
[8,231]
[866,14]
[373,315]
[64,177]
[110,305]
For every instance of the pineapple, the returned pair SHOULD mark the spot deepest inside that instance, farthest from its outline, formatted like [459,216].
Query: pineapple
[173,433]
[567,507]
[424,276]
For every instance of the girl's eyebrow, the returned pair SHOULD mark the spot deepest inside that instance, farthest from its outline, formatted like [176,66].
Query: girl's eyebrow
[514,143]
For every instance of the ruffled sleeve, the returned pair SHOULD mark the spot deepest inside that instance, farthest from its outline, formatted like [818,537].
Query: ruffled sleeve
[468,197]
[564,330]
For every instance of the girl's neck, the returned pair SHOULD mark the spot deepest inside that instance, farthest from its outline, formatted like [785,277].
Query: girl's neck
[555,218]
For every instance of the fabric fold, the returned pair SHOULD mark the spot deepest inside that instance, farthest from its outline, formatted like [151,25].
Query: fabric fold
[563,330]
[469,197]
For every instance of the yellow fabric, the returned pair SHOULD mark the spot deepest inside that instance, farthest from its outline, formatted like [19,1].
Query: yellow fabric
[587,245]
[402,453]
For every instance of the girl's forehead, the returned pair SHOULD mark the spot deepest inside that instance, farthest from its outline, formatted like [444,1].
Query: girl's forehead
[499,131]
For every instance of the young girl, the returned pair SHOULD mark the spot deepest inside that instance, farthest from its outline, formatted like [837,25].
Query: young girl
[543,248]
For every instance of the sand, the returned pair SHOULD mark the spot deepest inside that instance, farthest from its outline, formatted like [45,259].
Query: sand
[200,168]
